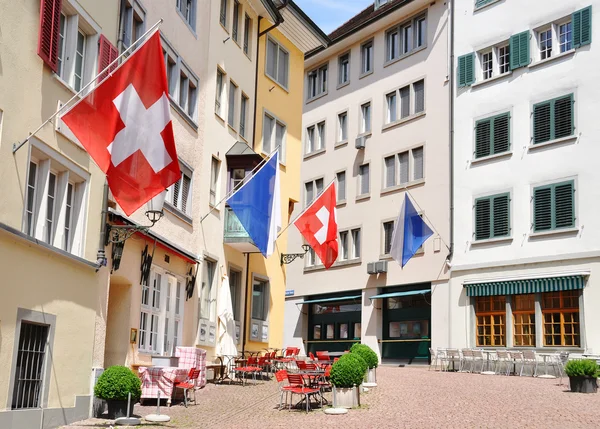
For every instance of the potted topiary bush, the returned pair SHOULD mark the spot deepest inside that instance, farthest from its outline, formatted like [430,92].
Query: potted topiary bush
[346,376]
[114,385]
[583,375]
[370,357]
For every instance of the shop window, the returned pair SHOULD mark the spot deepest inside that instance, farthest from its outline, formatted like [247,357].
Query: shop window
[523,308]
[560,311]
[490,314]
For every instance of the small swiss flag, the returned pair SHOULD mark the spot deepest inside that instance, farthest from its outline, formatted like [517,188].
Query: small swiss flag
[125,125]
[318,226]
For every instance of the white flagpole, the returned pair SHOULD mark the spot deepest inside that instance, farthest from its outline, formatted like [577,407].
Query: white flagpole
[17,146]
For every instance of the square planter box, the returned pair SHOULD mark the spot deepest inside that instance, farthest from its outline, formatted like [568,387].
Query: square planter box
[346,397]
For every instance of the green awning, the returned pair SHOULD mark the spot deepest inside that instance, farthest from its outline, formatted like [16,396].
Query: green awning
[338,298]
[518,287]
[395,294]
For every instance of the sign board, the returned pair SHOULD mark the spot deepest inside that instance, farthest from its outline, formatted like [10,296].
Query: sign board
[289,292]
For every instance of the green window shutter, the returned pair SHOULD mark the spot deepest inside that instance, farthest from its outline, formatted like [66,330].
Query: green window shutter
[501,215]
[501,133]
[542,122]
[542,208]
[479,3]
[466,70]
[483,142]
[462,76]
[563,117]
[483,214]
[564,205]
[519,50]
[582,27]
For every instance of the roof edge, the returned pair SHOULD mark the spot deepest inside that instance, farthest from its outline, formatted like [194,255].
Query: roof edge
[309,23]
[273,11]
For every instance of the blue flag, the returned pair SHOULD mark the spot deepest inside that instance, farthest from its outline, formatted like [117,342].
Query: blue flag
[410,232]
[257,205]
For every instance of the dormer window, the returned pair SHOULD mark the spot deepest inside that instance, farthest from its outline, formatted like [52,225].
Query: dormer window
[379,3]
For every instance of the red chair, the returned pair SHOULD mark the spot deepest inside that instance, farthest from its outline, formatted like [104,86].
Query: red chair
[188,384]
[323,357]
[302,390]
[282,376]
[301,365]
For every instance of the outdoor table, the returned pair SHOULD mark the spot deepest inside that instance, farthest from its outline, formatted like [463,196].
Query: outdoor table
[545,356]
[487,362]
[160,378]
[336,354]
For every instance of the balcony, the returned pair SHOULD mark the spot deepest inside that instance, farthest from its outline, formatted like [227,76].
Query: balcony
[235,235]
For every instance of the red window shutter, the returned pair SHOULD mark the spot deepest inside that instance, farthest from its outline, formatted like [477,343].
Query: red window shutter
[107,53]
[48,33]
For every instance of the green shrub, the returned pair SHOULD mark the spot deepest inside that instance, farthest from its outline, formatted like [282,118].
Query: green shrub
[583,367]
[348,371]
[116,383]
[366,353]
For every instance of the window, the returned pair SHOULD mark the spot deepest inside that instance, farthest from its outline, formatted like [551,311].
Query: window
[236,21]
[343,245]
[179,194]
[133,16]
[315,137]
[366,57]
[312,259]
[237,178]
[243,114]
[342,127]
[219,92]
[30,366]
[399,170]
[406,37]
[545,41]
[363,179]
[388,232]
[54,203]
[310,188]
[235,287]
[317,82]
[365,113]
[260,300]
[565,37]
[171,66]
[560,313]
[355,233]
[206,294]
[231,107]
[490,314]
[492,217]
[341,186]
[553,119]
[504,59]
[379,3]
[487,65]
[414,91]
[278,62]
[274,136]
[523,310]
[492,135]
[466,70]
[247,33]
[344,68]
[554,206]
[215,167]
[187,9]
[223,13]
[188,85]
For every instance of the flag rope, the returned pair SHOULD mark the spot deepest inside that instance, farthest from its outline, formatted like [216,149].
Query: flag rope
[422,212]
[17,146]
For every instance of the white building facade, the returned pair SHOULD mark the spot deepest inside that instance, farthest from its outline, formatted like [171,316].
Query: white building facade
[526,255]
[373,102]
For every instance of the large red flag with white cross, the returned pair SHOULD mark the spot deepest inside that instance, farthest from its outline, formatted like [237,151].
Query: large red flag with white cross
[125,125]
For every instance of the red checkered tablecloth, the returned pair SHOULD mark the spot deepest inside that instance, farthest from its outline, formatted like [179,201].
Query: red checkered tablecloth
[193,357]
[161,378]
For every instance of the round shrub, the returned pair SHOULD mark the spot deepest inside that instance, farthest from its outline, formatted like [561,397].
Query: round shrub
[366,353]
[582,368]
[348,371]
[116,383]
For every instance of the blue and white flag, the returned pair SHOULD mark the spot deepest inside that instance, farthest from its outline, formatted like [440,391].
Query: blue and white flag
[257,204]
[410,232]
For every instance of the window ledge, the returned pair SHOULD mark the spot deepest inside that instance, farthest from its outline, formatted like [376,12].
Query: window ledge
[370,72]
[175,211]
[344,263]
[219,117]
[483,159]
[231,127]
[275,82]
[492,79]
[491,241]
[222,26]
[187,24]
[561,231]
[214,207]
[316,97]
[363,197]
[64,83]
[554,58]
[183,114]
[533,147]
[403,56]
[340,144]
[314,153]
[342,85]
[340,203]
[401,187]
[483,6]
[243,138]
[398,122]
[365,134]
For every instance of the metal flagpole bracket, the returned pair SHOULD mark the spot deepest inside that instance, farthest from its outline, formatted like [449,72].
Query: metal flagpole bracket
[288,258]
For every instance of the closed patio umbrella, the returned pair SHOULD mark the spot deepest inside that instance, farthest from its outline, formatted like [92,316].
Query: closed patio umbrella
[226,345]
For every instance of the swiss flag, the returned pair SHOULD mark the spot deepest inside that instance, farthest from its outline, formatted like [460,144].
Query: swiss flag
[318,226]
[125,125]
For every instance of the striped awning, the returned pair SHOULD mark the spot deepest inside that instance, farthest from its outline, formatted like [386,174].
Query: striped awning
[337,298]
[519,287]
[396,294]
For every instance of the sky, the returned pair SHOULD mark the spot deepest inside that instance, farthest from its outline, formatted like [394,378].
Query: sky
[330,14]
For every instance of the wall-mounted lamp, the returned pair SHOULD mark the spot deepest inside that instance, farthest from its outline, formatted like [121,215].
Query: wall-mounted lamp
[154,212]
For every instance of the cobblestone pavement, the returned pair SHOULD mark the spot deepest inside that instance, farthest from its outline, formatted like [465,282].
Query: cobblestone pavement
[410,397]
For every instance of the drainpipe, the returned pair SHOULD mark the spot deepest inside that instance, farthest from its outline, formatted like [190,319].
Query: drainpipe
[245,330]
[101,255]
[451,4]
